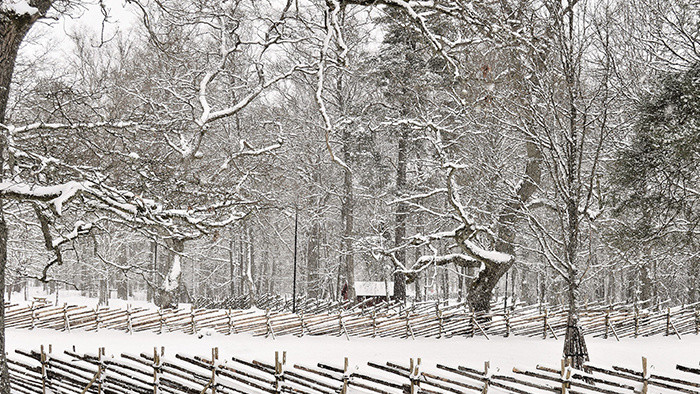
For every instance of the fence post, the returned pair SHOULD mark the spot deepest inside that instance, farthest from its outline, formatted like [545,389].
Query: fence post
[161,321]
[487,378]
[279,373]
[97,319]
[668,321]
[607,323]
[544,326]
[270,330]
[157,368]
[129,327]
[565,375]
[697,322]
[214,361]
[100,368]
[229,321]
[302,324]
[346,378]
[645,376]
[374,323]
[636,321]
[44,363]
[473,326]
[66,321]
[193,323]
[507,317]
[33,315]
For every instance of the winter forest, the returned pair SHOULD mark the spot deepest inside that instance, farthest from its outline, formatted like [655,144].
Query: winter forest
[492,155]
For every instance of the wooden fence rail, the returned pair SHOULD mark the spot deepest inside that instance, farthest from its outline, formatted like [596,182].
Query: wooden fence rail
[419,320]
[44,372]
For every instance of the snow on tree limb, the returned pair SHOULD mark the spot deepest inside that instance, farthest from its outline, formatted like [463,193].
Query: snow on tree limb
[56,195]
[66,126]
[123,204]
[328,125]
[417,196]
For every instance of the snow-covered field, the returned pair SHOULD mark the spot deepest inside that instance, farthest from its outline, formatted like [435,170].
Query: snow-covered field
[663,353]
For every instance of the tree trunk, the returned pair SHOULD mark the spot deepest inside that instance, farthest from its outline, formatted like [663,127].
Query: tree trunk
[416,256]
[104,291]
[694,279]
[401,213]
[347,214]
[312,259]
[250,267]
[646,292]
[4,374]
[170,291]
[122,282]
[610,289]
[241,261]
[574,344]
[481,290]
[232,268]
[273,270]
[151,290]
[313,250]
[13,29]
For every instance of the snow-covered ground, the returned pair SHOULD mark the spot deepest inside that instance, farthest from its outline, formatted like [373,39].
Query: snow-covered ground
[663,353]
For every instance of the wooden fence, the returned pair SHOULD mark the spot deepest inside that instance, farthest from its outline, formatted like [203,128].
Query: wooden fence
[419,320]
[42,371]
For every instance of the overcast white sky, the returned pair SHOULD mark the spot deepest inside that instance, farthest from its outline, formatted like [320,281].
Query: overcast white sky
[52,35]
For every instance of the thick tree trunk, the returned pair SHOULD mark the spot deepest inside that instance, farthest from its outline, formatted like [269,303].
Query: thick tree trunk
[13,29]
[104,292]
[171,289]
[645,282]
[481,290]
[401,213]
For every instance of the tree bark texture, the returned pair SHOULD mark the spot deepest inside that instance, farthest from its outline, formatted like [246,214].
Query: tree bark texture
[13,29]
[313,242]
[574,343]
[347,213]
[232,268]
[170,296]
[481,289]
[401,213]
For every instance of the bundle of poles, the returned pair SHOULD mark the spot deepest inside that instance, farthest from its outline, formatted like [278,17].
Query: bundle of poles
[382,320]
[44,371]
